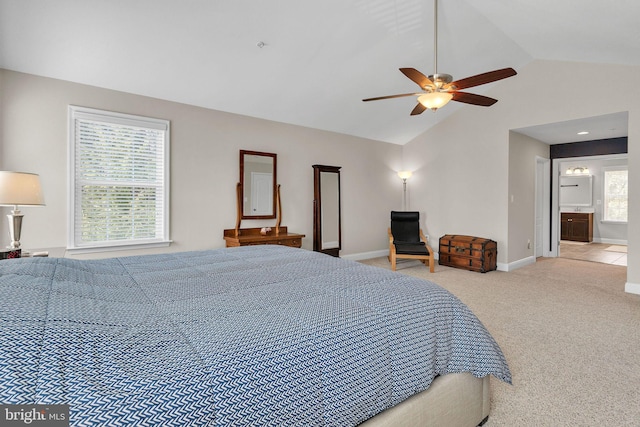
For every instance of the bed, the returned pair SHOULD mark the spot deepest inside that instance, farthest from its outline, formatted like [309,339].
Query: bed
[247,336]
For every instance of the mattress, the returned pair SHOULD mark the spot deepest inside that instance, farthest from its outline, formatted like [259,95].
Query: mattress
[256,335]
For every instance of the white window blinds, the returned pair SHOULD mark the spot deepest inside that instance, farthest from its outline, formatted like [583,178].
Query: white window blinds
[616,195]
[119,179]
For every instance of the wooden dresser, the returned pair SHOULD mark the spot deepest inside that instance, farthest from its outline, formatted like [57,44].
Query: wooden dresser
[576,226]
[252,236]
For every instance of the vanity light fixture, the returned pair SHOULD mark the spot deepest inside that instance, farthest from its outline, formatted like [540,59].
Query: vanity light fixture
[579,170]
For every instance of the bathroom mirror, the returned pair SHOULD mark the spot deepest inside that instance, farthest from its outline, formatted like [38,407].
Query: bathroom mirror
[258,182]
[326,210]
[576,190]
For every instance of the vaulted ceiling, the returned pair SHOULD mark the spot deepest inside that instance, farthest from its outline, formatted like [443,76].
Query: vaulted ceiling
[307,63]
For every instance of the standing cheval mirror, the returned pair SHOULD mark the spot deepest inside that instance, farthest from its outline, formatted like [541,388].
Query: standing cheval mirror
[326,210]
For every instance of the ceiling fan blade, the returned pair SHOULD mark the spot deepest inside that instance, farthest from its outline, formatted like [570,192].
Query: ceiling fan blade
[418,109]
[483,78]
[390,96]
[419,78]
[472,98]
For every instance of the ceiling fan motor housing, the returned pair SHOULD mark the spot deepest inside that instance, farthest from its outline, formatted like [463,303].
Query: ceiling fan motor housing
[439,79]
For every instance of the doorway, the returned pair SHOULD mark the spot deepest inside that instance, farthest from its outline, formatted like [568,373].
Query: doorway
[542,206]
[609,238]
[566,140]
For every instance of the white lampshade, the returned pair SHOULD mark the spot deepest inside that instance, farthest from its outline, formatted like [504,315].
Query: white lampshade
[435,100]
[405,174]
[20,189]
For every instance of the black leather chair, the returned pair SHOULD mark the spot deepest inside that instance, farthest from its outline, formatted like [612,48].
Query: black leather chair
[406,239]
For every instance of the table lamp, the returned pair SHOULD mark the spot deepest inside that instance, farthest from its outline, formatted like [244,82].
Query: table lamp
[19,189]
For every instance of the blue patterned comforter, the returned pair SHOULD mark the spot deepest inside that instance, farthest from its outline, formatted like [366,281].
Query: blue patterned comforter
[259,336]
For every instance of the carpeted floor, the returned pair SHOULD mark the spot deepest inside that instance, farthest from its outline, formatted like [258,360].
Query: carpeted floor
[570,333]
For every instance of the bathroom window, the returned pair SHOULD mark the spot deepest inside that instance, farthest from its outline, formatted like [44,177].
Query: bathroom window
[615,195]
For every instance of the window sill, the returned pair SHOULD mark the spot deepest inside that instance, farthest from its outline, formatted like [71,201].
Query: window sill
[112,248]
[613,222]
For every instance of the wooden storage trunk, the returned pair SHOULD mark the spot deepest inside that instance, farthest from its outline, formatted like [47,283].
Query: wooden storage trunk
[468,252]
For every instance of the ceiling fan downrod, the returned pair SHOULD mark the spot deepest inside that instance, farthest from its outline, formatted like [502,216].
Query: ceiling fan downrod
[435,38]
[438,80]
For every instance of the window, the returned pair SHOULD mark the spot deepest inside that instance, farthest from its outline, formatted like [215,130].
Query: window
[615,195]
[119,180]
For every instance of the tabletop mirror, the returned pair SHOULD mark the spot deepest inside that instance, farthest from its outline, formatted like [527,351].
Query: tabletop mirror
[258,178]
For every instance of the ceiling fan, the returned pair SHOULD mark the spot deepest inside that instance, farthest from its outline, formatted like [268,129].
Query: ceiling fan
[438,89]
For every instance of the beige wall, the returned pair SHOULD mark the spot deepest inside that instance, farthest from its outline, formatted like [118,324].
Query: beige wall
[523,152]
[462,164]
[204,166]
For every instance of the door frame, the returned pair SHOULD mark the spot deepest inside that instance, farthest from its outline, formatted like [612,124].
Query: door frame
[543,209]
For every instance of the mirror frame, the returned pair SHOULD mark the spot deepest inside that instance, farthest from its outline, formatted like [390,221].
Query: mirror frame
[274,156]
[576,190]
[318,244]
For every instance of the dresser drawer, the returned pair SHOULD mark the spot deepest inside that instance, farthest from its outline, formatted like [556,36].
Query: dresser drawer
[254,236]
[295,243]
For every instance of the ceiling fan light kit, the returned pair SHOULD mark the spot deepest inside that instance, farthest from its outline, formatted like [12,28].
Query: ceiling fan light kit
[435,100]
[439,89]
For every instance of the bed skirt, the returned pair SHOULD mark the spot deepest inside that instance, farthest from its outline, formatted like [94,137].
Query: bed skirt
[451,400]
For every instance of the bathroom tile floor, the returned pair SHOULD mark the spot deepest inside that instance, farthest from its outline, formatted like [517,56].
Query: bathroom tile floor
[597,252]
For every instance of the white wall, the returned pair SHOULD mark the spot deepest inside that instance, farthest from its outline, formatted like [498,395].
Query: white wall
[462,164]
[205,148]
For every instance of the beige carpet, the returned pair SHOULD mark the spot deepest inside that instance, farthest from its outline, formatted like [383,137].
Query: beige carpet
[571,336]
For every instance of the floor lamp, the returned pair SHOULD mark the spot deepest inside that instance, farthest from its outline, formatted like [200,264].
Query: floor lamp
[19,189]
[404,176]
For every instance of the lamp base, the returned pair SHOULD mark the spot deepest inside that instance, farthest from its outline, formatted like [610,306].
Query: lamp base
[15,227]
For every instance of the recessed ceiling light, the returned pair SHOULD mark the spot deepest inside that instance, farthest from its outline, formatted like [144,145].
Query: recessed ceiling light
[584,132]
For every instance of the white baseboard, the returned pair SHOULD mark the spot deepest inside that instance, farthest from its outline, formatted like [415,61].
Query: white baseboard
[632,288]
[366,255]
[516,264]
